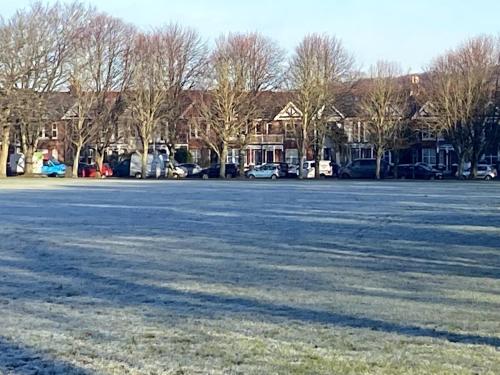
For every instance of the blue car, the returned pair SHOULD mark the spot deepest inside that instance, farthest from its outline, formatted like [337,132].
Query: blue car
[53,168]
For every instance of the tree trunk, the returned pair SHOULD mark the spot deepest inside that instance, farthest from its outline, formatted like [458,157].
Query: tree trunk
[303,150]
[28,160]
[300,155]
[317,158]
[242,161]
[396,164]
[222,161]
[76,160]
[99,162]
[461,164]
[144,166]
[4,152]
[475,155]
[380,154]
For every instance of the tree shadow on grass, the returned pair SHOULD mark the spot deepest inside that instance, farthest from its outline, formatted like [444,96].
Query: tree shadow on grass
[21,360]
[280,234]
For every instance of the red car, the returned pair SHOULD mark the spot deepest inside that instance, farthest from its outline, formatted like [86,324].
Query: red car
[90,170]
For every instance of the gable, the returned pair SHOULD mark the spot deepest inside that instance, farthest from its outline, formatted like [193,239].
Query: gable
[290,111]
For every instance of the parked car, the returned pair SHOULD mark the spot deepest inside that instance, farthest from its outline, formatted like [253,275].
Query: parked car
[335,169]
[15,164]
[419,171]
[232,171]
[155,166]
[325,168]
[53,168]
[283,169]
[90,170]
[191,169]
[484,172]
[271,171]
[177,172]
[293,170]
[122,169]
[364,168]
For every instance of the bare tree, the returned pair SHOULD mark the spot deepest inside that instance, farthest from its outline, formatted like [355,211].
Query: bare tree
[320,62]
[108,58]
[241,68]
[8,75]
[403,136]
[184,60]
[5,131]
[99,74]
[383,107]
[41,34]
[461,90]
[147,93]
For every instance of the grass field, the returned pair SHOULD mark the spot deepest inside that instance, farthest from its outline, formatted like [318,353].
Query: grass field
[241,277]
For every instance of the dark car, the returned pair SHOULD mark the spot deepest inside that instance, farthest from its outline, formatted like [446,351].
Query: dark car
[232,171]
[419,171]
[122,169]
[192,169]
[283,168]
[364,168]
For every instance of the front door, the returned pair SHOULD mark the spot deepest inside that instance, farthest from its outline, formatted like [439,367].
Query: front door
[270,157]
[258,157]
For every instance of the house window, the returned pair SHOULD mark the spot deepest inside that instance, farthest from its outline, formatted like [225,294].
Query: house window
[196,155]
[292,156]
[349,133]
[194,130]
[233,156]
[54,131]
[429,156]
[428,134]
[289,130]
[259,128]
[43,133]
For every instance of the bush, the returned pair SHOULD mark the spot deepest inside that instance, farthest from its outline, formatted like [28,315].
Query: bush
[182,155]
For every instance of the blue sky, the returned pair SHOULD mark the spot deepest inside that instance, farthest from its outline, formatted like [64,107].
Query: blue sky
[408,32]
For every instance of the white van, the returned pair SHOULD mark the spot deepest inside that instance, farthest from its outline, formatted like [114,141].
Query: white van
[16,164]
[325,168]
[155,167]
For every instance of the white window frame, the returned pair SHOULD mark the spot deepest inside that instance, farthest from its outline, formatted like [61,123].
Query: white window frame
[429,156]
[428,134]
[54,132]
[196,155]
[193,130]
[43,133]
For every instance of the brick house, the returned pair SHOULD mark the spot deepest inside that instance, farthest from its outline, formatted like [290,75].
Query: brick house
[271,138]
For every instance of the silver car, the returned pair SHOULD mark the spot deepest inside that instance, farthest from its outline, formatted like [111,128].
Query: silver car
[484,172]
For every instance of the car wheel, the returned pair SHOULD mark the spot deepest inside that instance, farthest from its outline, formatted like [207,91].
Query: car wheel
[204,176]
[431,178]
[322,176]
[487,177]
[274,177]
[345,176]
[138,175]
[251,177]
